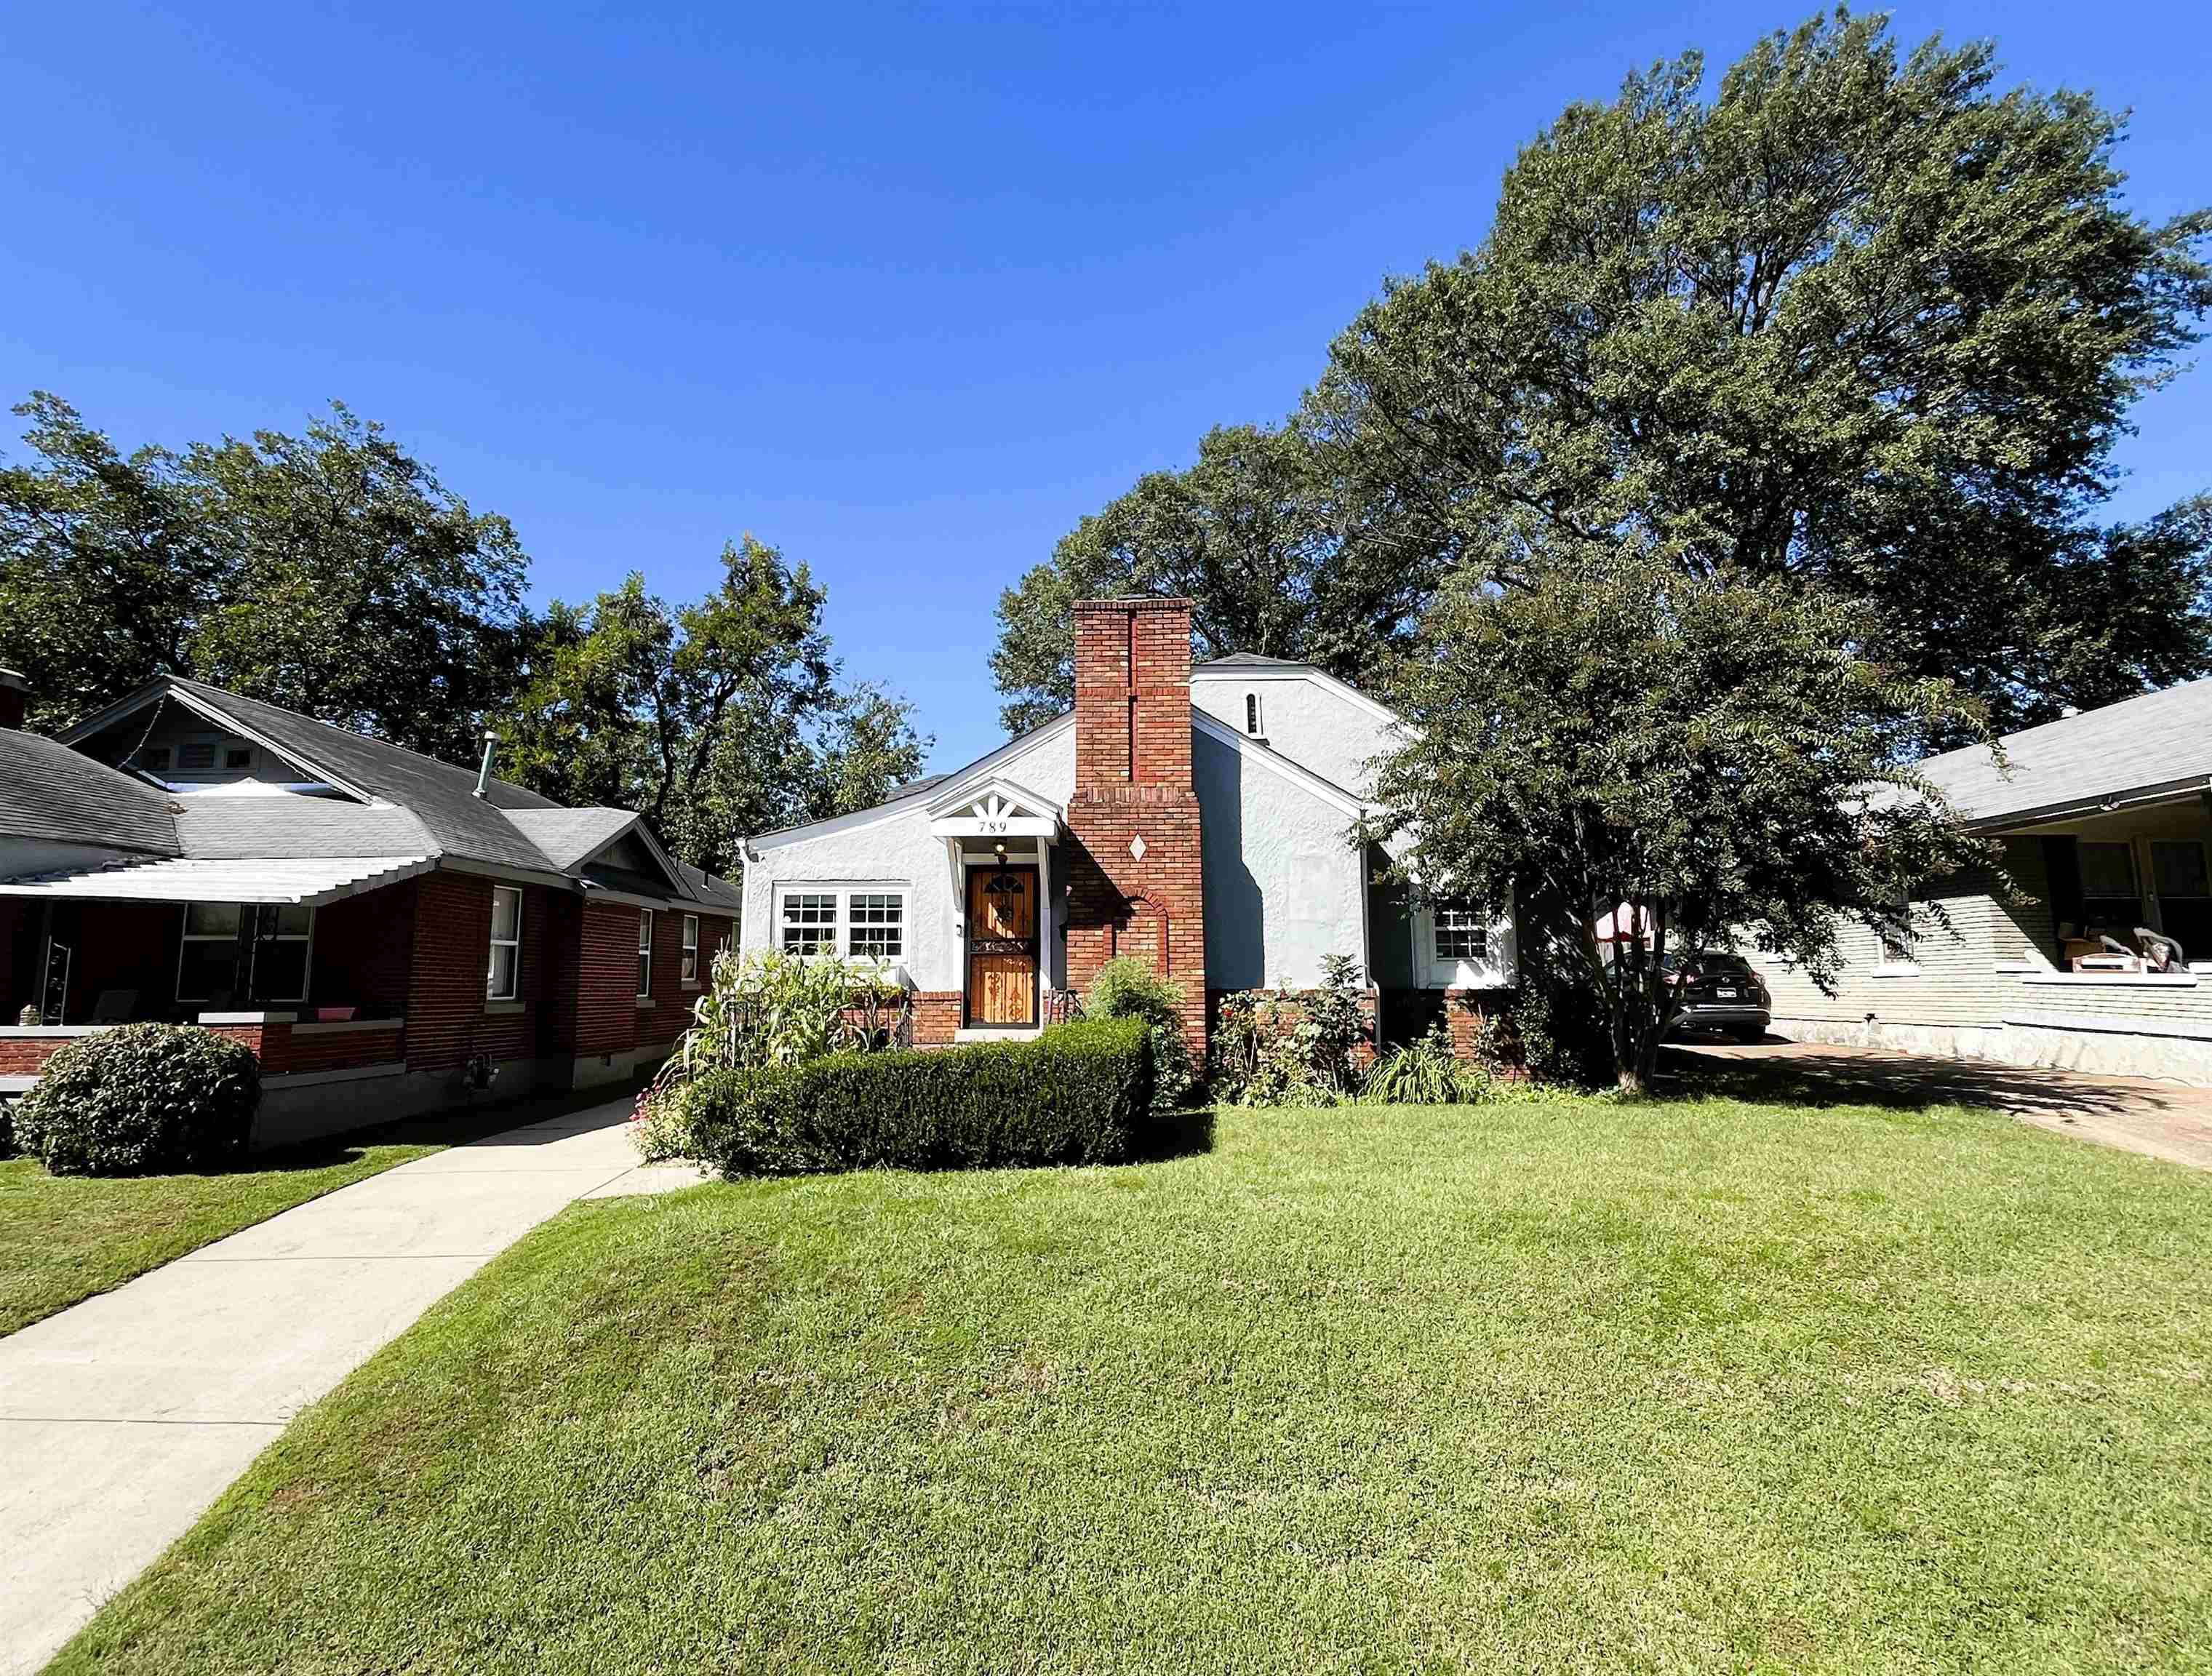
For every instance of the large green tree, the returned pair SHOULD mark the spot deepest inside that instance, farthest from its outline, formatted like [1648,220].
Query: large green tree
[1279,547]
[716,719]
[331,572]
[1714,754]
[1850,315]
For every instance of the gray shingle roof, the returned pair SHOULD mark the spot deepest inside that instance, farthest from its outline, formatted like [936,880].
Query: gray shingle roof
[568,836]
[1252,660]
[286,826]
[463,824]
[48,791]
[2139,745]
[714,891]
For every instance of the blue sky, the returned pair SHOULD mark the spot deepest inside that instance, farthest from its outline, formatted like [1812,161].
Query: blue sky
[905,293]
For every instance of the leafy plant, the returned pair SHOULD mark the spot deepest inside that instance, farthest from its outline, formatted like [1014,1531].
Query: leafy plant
[1426,1072]
[1080,1093]
[1127,988]
[1288,1047]
[142,1100]
[760,1011]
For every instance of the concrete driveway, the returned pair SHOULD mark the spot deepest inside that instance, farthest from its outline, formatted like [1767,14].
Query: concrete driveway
[2169,1121]
[124,1418]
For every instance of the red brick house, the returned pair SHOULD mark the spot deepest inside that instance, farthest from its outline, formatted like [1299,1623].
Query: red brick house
[391,934]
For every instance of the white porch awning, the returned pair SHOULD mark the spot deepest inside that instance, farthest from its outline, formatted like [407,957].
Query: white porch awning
[305,882]
[996,808]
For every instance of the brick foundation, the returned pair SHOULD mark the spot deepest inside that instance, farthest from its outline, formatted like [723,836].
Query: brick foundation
[936,1018]
[1134,793]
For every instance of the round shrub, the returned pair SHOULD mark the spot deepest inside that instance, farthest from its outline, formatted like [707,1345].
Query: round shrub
[142,1100]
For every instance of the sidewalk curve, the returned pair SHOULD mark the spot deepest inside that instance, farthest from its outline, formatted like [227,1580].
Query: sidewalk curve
[124,1418]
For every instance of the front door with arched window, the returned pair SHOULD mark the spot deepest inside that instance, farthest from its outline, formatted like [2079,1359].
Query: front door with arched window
[1002,947]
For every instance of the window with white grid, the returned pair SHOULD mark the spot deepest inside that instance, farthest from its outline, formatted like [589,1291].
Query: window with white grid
[877,925]
[1462,933]
[810,923]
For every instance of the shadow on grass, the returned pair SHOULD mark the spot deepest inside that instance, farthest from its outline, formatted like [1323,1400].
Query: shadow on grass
[1810,1074]
[1184,1132]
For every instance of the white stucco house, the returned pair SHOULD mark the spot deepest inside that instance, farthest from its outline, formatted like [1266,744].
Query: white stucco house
[1201,818]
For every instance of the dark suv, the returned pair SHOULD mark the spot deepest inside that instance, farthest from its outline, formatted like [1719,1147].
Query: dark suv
[1716,993]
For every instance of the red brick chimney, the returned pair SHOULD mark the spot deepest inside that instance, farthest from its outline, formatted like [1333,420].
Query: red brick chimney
[1135,881]
[14,698]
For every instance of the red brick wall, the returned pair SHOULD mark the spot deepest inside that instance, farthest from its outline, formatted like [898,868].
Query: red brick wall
[606,980]
[1133,781]
[936,1018]
[448,1021]
[364,946]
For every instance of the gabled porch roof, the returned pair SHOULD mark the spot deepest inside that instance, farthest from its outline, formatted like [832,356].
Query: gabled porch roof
[995,807]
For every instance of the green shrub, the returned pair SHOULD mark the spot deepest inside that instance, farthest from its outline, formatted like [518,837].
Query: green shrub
[1127,988]
[1289,1048]
[1080,1093]
[142,1100]
[764,1009]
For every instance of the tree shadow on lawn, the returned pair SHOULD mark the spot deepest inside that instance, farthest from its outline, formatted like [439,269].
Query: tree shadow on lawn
[1817,1074]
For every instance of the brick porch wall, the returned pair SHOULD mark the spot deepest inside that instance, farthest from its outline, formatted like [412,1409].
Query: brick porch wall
[1133,782]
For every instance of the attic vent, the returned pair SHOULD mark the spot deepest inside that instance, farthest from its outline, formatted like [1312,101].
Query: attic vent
[1252,716]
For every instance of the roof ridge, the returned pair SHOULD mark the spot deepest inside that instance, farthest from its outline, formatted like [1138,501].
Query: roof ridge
[355,734]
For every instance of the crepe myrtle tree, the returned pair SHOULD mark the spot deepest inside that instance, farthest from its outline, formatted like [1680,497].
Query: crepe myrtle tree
[1715,755]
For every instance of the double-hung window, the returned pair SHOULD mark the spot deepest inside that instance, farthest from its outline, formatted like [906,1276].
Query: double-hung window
[504,979]
[644,954]
[859,921]
[2184,883]
[875,925]
[691,949]
[2110,901]
[810,923]
[1458,936]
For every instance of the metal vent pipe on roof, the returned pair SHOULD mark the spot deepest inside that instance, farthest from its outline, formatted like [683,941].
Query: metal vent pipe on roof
[483,773]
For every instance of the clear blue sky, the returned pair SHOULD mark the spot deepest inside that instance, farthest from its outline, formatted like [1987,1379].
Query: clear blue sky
[903,293]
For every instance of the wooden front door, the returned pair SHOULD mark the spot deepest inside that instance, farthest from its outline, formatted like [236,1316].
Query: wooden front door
[1002,946]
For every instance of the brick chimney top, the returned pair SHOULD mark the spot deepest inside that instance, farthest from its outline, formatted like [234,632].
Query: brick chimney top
[14,698]
[1133,692]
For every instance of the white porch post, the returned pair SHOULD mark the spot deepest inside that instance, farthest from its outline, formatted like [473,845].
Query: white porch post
[1044,921]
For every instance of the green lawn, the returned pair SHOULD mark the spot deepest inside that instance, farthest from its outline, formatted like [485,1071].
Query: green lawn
[65,1238]
[1573,1386]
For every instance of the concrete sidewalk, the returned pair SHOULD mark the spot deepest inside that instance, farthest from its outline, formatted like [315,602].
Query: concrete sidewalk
[122,1418]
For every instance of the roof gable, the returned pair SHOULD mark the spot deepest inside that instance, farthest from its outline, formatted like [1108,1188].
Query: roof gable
[49,791]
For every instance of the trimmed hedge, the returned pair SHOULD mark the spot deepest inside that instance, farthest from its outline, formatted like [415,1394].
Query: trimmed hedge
[1079,1094]
[142,1100]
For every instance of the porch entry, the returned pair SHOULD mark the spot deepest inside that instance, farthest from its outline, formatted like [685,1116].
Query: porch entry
[1002,947]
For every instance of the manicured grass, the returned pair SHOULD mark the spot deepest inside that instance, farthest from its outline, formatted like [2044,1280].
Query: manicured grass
[1566,1386]
[66,1238]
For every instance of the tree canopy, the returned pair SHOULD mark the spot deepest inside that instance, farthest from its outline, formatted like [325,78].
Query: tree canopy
[1714,755]
[1856,317]
[716,719]
[331,572]
[1280,549]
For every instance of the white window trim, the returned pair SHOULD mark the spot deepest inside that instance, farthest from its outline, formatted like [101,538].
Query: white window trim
[306,964]
[186,934]
[1886,965]
[645,931]
[499,942]
[690,946]
[841,892]
[1436,973]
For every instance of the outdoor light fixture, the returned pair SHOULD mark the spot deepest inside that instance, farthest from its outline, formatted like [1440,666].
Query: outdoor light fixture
[1001,849]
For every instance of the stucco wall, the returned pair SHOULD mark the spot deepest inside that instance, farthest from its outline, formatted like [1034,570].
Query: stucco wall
[1305,720]
[1283,885]
[900,849]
